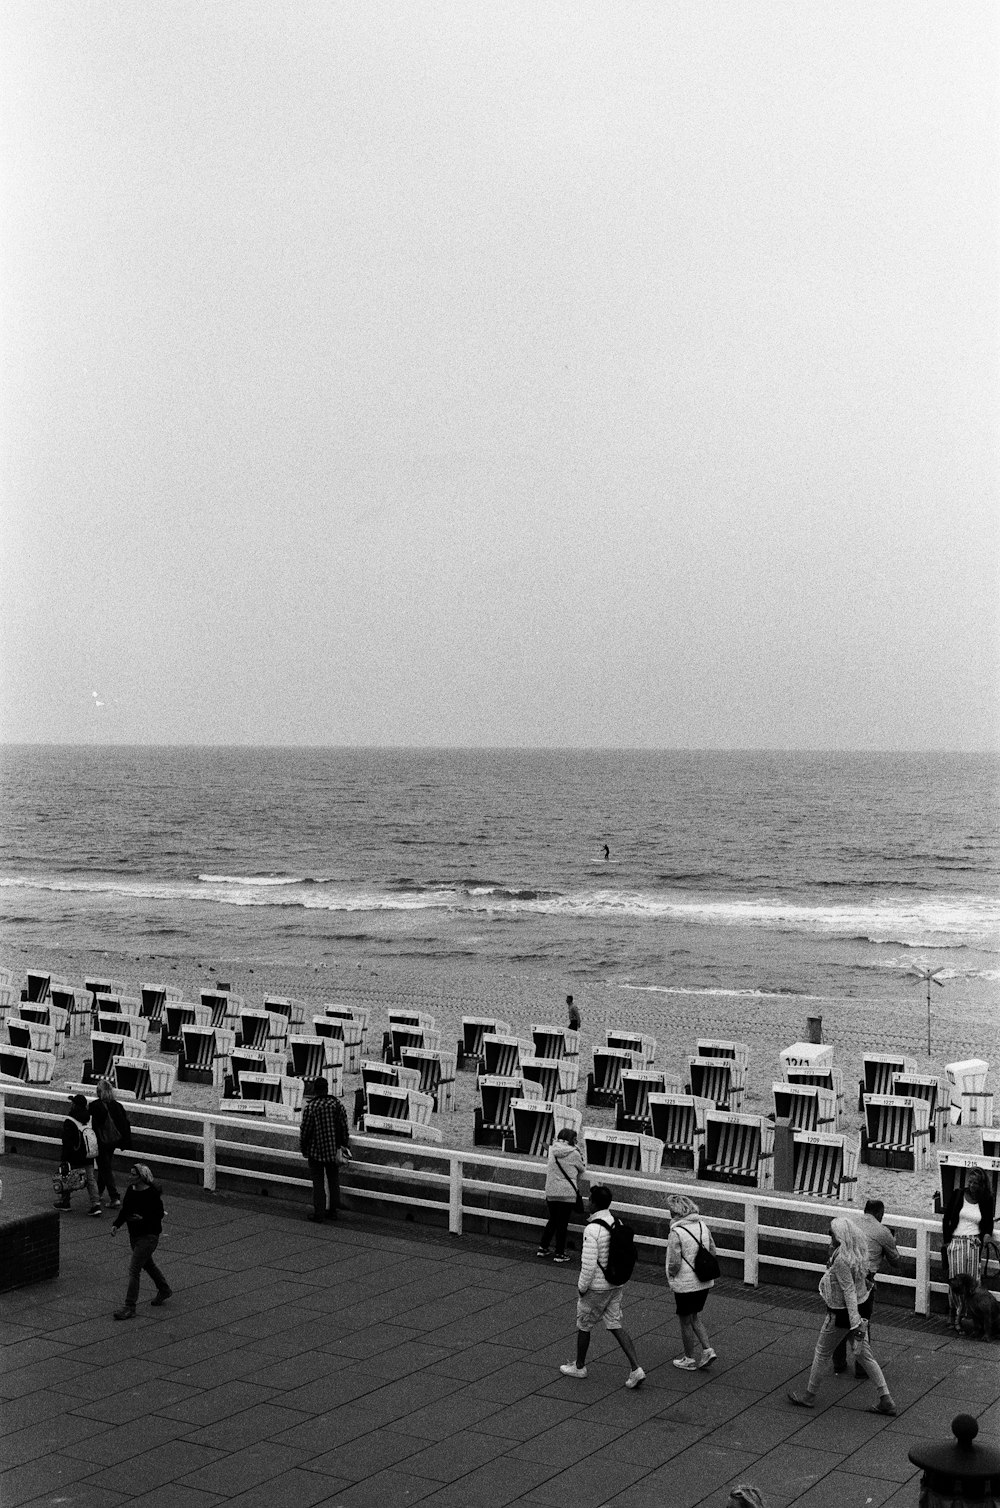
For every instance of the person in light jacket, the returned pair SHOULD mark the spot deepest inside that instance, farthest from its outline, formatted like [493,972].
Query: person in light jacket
[598,1302]
[843,1287]
[565,1168]
[687,1232]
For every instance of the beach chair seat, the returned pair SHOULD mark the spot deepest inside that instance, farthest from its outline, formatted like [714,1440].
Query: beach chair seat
[272,1095]
[807,1107]
[23,1065]
[178,1013]
[822,1078]
[398,1104]
[502,1056]
[425,1039]
[105,1047]
[953,1172]
[437,1074]
[990,1142]
[223,1007]
[825,1165]
[626,1151]
[22,1032]
[642,1048]
[719,1047]
[678,1121]
[355,1019]
[350,1032]
[971,1101]
[632,1110]
[474,1029]
[878,1070]
[199,1060]
[493,1118]
[250,1060]
[253,1029]
[294,1011]
[604,1082]
[153,998]
[536,1124]
[77,1003]
[551,1041]
[374,1072]
[143,1078]
[312,1057]
[896,1133]
[123,1026]
[47,1014]
[545,1073]
[737,1149]
[805,1055]
[38,983]
[421,1020]
[925,1086]
[719,1079]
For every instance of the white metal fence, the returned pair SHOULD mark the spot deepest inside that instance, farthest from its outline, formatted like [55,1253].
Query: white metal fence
[386,1170]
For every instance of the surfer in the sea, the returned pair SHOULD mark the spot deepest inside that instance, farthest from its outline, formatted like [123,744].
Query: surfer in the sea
[607,851]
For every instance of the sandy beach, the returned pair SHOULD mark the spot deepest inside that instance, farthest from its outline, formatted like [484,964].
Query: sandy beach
[767,1023]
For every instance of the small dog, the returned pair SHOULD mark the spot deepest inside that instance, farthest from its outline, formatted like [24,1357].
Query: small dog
[970,1300]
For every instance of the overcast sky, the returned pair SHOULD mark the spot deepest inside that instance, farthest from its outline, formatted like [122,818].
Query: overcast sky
[493,373]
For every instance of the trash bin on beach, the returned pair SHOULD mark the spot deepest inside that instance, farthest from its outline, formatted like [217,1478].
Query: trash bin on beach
[814,1029]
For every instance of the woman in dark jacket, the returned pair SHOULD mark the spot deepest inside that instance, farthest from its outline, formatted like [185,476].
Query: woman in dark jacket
[968,1220]
[77,1155]
[111,1125]
[142,1213]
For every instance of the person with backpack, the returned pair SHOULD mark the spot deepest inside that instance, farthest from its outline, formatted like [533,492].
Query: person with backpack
[692,1267]
[111,1126]
[607,1263]
[78,1168]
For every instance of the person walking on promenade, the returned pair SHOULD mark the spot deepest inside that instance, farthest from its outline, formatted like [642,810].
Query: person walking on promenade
[112,1129]
[599,1298]
[843,1287]
[565,1169]
[79,1156]
[688,1233]
[325,1142]
[142,1214]
[882,1251]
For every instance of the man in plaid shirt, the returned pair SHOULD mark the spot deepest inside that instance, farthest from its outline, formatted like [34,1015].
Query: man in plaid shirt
[324,1134]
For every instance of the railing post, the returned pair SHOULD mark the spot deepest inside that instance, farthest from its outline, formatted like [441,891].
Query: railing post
[751,1253]
[208,1137]
[3,1120]
[922,1296]
[455,1195]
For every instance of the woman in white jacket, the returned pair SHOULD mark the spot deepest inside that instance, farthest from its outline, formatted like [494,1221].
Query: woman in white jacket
[687,1232]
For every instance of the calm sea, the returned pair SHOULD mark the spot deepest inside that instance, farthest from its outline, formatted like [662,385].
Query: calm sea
[820,874]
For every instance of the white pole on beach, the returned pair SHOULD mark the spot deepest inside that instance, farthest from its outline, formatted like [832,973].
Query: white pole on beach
[928,975]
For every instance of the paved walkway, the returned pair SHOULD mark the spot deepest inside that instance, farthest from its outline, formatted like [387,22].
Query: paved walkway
[359,1366]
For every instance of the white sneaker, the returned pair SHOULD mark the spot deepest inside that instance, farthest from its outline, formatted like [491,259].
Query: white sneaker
[570,1369]
[635,1379]
[686,1363]
[707,1358]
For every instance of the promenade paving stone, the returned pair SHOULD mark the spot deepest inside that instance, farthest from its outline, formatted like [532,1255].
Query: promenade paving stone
[372,1364]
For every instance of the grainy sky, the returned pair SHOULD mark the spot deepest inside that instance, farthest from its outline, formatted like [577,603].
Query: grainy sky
[491,373]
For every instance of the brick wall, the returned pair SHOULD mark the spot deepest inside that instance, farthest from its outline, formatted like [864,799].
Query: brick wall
[29,1249]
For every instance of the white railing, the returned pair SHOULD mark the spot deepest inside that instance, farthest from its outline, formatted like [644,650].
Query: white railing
[260,1141]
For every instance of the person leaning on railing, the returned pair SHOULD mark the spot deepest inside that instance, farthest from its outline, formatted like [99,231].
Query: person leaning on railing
[967,1221]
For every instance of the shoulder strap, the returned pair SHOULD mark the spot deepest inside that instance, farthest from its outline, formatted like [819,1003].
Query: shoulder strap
[573,1185]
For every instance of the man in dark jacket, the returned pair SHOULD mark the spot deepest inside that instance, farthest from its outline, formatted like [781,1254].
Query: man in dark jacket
[324,1140]
[142,1213]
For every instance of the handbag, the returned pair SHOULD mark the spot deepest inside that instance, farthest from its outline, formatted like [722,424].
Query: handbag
[343,1155]
[69,1182]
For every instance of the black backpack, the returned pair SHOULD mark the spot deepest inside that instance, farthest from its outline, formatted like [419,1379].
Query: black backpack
[622,1255]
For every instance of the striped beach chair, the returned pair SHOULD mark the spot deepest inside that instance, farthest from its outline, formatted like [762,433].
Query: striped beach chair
[350,1032]
[153,998]
[77,1003]
[105,1049]
[971,1102]
[355,1018]
[437,1074]
[502,1056]
[253,1029]
[738,1149]
[294,1011]
[604,1083]
[642,1048]
[896,1133]
[822,1078]
[224,1008]
[143,1078]
[136,1027]
[399,1112]
[807,1107]
[626,1151]
[991,1143]
[401,1037]
[23,1032]
[719,1079]
[632,1110]
[178,1013]
[878,1070]
[474,1028]
[924,1086]
[555,1041]
[717,1047]
[23,1065]
[825,1165]
[536,1124]
[493,1123]
[311,1057]
[678,1122]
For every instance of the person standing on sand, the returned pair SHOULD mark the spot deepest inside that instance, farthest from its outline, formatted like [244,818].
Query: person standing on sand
[574,1014]
[599,1301]
[142,1213]
[324,1141]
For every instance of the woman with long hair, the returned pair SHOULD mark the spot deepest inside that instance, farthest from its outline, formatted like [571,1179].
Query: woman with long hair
[845,1286]
[111,1124]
